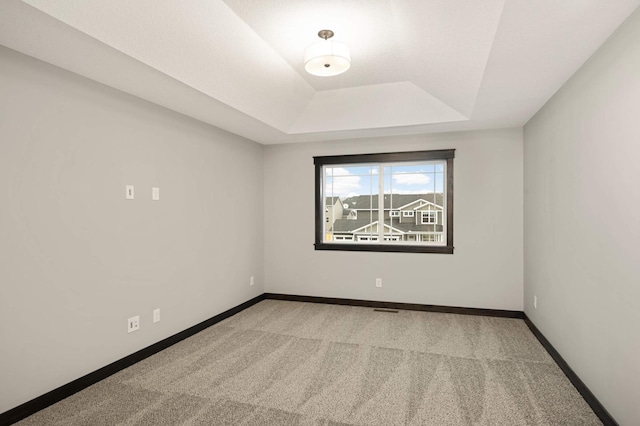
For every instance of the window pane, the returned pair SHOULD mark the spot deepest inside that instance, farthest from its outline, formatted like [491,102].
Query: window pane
[398,205]
[413,194]
[351,203]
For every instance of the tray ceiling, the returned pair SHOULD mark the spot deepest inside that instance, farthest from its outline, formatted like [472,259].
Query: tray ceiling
[417,65]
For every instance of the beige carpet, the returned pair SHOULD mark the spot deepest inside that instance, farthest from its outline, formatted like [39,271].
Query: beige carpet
[291,363]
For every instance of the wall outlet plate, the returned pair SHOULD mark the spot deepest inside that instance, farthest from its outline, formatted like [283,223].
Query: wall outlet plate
[378,282]
[133,324]
[156,315]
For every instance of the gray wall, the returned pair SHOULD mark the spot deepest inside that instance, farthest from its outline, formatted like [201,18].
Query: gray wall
[486,269]
[77,259]
[582,222]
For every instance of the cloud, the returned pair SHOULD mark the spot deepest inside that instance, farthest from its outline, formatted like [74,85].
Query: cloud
[411,192]
[336,171]
[411,179]
[341,183]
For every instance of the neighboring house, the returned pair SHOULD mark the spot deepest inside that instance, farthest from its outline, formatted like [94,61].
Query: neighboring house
[407,217]
[332,211]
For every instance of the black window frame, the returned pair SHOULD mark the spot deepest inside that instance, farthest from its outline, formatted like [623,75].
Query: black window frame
[391,157]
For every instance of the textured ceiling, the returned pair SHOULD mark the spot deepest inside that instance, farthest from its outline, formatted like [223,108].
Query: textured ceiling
[392,41]
[417,65]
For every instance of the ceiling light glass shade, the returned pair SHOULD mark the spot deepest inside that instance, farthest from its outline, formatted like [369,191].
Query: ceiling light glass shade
[327,58]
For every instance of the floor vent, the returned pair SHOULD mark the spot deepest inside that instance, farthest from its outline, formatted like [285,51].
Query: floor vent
[391,311]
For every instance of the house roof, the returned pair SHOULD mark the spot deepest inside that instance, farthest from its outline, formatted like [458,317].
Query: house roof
[347,212]
[364,202]
[348,226]
[413,227]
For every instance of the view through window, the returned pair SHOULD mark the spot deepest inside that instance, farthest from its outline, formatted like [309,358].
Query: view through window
[386,202]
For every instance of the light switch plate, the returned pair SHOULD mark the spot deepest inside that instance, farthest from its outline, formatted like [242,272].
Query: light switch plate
[129,192]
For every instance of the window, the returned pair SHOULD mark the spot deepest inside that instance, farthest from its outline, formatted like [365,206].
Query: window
[429,217]
[418,183]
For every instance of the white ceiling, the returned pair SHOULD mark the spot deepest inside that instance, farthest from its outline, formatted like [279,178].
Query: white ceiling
[417,65]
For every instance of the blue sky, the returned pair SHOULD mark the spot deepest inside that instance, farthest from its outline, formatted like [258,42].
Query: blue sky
[347,181]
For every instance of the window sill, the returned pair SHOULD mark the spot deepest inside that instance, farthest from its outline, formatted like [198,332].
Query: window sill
[390,248]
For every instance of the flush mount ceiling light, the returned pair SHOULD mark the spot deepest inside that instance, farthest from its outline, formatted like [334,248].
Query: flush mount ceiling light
[327,58]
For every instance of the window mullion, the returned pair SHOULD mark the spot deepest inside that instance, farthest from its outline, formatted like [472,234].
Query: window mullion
[380,203]
[445,194]
[324,201]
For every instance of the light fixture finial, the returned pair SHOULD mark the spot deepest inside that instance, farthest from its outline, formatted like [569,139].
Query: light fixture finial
[325,34]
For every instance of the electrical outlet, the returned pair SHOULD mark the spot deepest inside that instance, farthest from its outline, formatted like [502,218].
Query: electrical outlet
[156,315]
[252,280]
[535,302]
[378,282]
[133,324]
[155,194]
